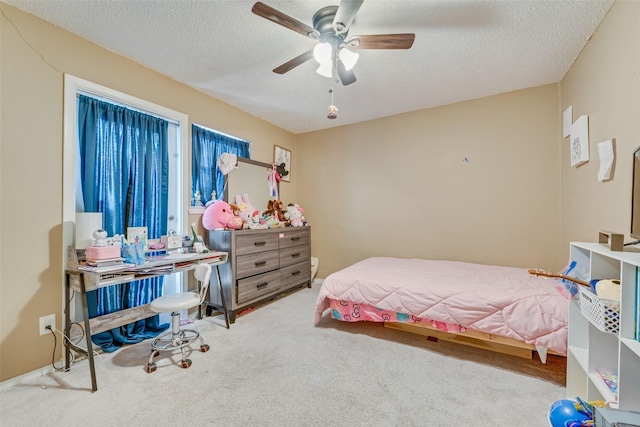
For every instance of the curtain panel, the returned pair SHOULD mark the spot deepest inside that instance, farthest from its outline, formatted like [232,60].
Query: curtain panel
[124,167]
[207,146]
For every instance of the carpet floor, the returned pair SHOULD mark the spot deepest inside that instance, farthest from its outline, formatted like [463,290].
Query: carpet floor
[274,367]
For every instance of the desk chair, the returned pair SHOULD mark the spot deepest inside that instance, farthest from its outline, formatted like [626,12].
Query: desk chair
[182,337]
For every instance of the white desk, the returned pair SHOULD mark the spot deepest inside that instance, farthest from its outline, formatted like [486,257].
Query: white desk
[81,280]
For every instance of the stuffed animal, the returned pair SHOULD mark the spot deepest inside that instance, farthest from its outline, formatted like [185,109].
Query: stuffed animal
[245,208]
[281,171]
[219,215]
[275,208]
[255,223]
[294,215]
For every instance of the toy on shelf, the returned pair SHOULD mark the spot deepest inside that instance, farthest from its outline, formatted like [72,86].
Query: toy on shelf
[274,214]
[197,199]
[198,242]
[244,208]
[256,223]
[219,216]
[294,215]
[100,237]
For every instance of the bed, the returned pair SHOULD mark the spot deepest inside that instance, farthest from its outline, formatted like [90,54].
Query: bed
[464,301]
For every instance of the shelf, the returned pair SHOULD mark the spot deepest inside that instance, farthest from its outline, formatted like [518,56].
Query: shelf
[581,355]
[632,345]
[607,395]
[591,349]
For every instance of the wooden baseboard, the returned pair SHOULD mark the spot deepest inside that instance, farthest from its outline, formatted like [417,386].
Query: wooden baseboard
[471,338]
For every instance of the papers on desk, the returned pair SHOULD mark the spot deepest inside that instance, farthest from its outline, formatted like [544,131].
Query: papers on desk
[154,264]
[179,257]
[108,269]
[151,268]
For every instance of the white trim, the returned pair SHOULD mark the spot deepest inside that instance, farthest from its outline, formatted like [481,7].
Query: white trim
[222,133]
[24,378]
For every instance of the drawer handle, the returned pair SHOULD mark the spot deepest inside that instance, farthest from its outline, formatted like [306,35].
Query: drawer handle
[295,273]
[261,263]
[262,285]
[295,255]
[260,243]
[295,239]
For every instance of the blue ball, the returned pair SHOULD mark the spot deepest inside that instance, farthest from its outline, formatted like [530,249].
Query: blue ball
[563,413]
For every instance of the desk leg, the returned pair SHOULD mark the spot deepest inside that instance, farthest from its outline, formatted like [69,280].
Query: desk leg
[87,332]
[67,321]
[224,303]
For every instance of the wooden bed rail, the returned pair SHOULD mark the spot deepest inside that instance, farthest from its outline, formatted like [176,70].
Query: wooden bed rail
[477,339]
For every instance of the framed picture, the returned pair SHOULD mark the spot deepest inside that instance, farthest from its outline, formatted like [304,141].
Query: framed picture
[140,233]
[282,159]
[580,141]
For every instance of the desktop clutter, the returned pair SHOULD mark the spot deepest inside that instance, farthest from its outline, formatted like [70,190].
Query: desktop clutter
[117,250]
[240,214]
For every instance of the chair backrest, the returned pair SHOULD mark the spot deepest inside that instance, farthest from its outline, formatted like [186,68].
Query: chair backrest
[203,275]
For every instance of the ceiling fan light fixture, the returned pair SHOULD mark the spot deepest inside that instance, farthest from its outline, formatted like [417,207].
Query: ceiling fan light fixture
[348,58]
[322,52]
[325,69]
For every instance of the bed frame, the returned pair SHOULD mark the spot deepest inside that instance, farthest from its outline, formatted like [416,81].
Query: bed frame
[471,338]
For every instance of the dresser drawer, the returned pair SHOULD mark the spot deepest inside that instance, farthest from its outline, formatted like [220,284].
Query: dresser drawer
[294,254]
[252,264]
[294,238]
[257,286]
[253,242]
[295,274]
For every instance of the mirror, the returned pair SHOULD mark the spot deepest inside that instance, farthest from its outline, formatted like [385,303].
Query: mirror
[251,177]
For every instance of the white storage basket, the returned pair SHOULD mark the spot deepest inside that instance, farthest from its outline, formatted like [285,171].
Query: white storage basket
[604,314]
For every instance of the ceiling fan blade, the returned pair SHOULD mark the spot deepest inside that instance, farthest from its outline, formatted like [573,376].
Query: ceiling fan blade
[346,76]
[280,18]
[382,41]
[345,15]
[290,65]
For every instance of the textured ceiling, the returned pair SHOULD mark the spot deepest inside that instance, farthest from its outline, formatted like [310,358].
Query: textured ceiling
[463,50]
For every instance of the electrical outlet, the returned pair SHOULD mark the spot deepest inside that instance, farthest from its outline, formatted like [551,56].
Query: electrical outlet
[45,321]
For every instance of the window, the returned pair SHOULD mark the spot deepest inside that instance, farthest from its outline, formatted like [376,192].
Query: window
[178,165]
[207,146]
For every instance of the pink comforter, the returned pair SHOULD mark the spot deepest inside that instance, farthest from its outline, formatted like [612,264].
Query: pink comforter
[498,300]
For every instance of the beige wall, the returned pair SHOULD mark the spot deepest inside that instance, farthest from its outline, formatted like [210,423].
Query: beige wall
[35,56]
[604,83]
[400,186]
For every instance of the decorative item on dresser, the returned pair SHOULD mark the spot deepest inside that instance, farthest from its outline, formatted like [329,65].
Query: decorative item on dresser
[262,264]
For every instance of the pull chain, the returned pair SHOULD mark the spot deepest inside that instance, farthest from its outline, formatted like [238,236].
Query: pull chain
[332,111]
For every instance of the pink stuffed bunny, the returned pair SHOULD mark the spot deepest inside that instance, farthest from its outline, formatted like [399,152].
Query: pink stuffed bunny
[245,208]
[219,215]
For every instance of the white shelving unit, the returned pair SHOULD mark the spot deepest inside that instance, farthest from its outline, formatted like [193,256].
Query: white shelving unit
[591,349]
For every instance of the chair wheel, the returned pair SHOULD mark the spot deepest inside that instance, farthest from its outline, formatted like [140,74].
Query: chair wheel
[204,348]
[151,367]
[186,363]
[154,353]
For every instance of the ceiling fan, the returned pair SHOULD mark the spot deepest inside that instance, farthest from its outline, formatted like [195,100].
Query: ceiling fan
[331,27]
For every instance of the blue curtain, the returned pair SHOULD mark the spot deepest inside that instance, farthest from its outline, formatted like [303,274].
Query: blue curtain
[124,167]
[207,146]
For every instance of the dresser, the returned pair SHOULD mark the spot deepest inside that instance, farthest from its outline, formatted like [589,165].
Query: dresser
[261,265]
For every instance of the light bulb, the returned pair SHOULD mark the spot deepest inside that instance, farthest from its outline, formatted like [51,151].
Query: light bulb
[322,52]
[348,58]
[332,112]
[325,69]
